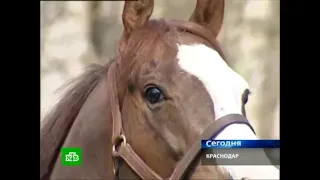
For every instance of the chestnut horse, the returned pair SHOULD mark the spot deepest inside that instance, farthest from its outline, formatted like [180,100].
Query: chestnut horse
[143,114]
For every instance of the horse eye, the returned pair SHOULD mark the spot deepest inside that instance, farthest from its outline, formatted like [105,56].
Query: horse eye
[153,95]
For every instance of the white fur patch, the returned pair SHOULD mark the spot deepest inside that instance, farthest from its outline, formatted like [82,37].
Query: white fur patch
[224,85]
[225,88]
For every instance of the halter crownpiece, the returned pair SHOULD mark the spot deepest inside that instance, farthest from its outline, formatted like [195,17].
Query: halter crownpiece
[121,149]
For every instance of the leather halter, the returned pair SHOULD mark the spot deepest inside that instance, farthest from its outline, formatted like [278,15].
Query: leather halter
[122,149]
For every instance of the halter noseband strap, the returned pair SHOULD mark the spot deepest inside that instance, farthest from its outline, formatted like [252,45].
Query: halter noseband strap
[123,150]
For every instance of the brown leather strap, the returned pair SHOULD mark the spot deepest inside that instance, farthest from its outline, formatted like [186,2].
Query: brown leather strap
[124,150]
[136,163]
[209,133]
[145,172]
[114,104]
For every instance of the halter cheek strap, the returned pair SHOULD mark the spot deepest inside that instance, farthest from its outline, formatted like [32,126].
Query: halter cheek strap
[122,149]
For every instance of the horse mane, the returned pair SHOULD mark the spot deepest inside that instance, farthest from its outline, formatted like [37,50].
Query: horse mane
[56,125]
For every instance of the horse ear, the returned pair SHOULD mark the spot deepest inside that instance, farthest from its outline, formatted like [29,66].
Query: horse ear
[209,14]
[136,14]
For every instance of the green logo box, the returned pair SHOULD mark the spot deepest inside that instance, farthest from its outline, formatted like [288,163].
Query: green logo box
[71,156]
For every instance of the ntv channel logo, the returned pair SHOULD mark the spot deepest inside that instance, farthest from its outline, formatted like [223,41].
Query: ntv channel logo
[71,156]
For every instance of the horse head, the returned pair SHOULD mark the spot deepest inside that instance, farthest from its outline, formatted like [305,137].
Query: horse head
[168,87]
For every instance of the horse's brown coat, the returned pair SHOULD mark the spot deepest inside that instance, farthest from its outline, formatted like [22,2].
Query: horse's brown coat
[160,133]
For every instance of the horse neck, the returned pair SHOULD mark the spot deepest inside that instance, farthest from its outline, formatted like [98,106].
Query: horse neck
[91,131]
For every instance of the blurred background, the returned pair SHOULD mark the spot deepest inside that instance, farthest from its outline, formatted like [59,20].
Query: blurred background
[75,34]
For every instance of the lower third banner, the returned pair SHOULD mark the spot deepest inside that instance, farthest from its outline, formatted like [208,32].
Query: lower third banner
[238,156]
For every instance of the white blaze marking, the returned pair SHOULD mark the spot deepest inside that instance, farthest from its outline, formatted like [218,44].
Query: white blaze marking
[224,85]
[225,88]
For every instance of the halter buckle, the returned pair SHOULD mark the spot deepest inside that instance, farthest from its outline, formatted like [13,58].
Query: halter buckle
[119,141]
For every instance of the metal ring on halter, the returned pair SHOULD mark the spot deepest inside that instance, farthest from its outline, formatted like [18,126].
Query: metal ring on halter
[121,140]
